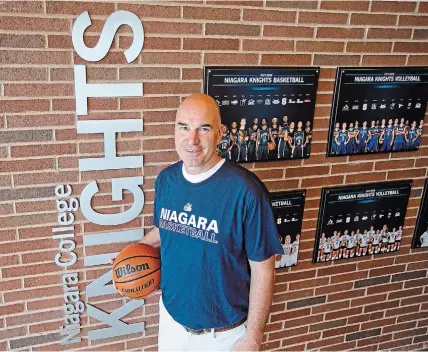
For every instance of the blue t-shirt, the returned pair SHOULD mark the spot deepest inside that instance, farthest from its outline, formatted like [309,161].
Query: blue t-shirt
[208,232]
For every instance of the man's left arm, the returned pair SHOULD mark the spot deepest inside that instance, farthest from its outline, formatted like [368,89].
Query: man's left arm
[261,291]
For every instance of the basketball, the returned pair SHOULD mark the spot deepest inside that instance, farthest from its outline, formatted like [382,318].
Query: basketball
[136,271]
[271,146]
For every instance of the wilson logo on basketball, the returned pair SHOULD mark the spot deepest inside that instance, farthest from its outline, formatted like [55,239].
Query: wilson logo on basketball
[129,269]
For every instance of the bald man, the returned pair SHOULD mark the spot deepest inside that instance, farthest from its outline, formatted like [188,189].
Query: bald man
[215,228]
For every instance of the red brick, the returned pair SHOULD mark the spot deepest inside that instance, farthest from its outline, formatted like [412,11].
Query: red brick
[374,20]
[324,342]
[47,178]
[28,165]
[322,181]
[333,288]
[287,333]
[389,33]
[29,269]
[232,29]
[149,103]
[21,7]
[38,24]
[330,307]
[387,270]
[345,5]
[398,327]
[72,8]
[303,4]
[319,46]
[175,28]
[331,60]
[210,44]
[152,43]
[45,57]
[253,3]
[349,168]
[172,88]
[323,17]
[288,31]
[408,173]
[345,295]
[192,74]
[410,47]
[365,177]
[267,45]
[211,14]
[307,171]
[340,33]
[340,331]
[286,59]
[393,6]
[308,283]
[349,277]
[416,283]
[22,41]
[23,74]
[343,313]
[16,106]
[230,59]
[369,47]
[411,20]
[384,60]
[155,11]
[165,58]
[269,16]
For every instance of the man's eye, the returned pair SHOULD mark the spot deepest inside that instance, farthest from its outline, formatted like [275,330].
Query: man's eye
[182,128]
[204,129]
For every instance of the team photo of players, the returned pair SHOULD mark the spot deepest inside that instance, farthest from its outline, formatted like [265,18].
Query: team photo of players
[288,212]
[420,236]
[291,250]
[376,136]
[358,243]
[258,139]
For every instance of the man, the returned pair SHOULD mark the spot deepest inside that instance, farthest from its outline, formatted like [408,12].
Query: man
[299,140]
[209,299]
[373,138]
[225,145]
[342,140]
[387,137]
[363,134]
[424,239]
[334,146]
[263,141]
[274,131]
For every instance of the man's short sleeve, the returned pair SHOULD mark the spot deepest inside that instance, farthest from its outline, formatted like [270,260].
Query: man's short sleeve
[260,231]
[156,211]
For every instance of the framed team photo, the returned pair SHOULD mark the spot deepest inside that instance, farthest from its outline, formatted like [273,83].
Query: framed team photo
[361,220]
[288,210]
[420,237]
[267,113]
[377,110]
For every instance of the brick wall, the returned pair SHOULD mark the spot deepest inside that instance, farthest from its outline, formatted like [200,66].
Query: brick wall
[363,303]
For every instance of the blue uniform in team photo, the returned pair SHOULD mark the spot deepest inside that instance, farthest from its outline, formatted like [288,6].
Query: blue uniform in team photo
[387,139]
[333,143]
[373,141]
[341,148]
[262,152]
[362,139]
[418,140]
[299,137]
[351,147]
[399,142]
[411,135]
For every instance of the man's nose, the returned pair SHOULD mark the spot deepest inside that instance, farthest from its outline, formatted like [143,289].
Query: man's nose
[193,137]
